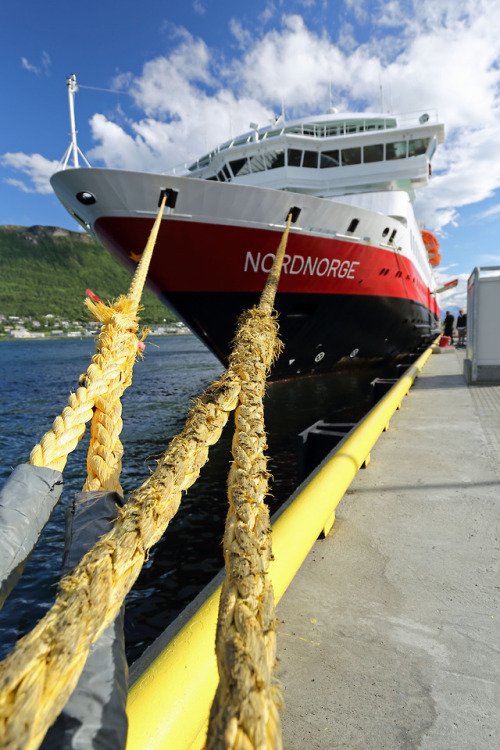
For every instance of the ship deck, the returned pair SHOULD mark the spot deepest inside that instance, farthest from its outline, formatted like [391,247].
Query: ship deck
[388,636]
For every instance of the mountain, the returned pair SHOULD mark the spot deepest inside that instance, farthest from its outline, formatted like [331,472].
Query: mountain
[47,270]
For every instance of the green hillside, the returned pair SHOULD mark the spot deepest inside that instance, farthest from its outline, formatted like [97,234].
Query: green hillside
[47,270]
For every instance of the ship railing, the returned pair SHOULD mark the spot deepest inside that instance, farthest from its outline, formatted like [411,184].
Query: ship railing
[329,129]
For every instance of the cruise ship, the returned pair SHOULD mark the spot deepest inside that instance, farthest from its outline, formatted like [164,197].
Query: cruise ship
[358,278]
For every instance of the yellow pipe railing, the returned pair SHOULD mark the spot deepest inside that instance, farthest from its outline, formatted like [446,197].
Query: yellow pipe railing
[168,705]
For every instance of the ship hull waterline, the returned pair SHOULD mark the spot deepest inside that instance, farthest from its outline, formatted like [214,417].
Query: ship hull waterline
[339,299]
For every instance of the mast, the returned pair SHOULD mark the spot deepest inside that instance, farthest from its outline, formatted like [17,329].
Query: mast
[73,146]
[72,89]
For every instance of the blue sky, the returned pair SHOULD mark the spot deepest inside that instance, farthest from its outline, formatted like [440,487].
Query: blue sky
[181,77]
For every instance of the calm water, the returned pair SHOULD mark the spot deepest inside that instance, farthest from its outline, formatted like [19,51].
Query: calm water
[36,378]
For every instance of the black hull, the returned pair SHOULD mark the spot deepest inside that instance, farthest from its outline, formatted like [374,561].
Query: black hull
[318,331]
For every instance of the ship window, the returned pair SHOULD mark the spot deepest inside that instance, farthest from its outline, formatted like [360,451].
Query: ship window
[227,173]
[353,225]
[257,163]
[373,153]
[240,167]
[275,159]
[211,178]
[310,159]
[385,232]
[393,234]
[395,150]
[294,157]
[221,176]
[418,146]
[329,159]
[351,156]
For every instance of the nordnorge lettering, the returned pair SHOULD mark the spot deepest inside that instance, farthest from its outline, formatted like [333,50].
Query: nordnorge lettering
[299,265]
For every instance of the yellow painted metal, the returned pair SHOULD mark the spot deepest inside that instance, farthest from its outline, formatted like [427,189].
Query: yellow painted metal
[328,525]
[169,704]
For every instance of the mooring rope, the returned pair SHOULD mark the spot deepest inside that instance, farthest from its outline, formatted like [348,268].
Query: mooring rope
[245,711]
[39,675]
[107,376]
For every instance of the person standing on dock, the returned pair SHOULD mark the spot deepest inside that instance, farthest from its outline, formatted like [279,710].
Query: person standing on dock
[461,328]
[448,325]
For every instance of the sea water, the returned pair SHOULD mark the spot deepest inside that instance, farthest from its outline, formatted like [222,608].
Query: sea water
[36,378]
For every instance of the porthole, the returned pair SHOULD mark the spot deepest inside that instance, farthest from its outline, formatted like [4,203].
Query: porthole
[319,356]
[354,353]
[86,198]
[353,225]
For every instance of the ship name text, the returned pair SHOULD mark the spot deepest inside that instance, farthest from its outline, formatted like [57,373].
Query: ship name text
[298,264]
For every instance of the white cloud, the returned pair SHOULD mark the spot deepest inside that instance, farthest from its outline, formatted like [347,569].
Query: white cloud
[35,166]
[242,35]
[199,8]
[44,67]
[490,213]
[434,53]
[28,66]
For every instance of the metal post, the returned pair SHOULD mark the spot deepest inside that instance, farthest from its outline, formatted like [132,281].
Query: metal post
[72,89]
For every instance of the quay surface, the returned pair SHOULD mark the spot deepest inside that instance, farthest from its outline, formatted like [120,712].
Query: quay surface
[389,635]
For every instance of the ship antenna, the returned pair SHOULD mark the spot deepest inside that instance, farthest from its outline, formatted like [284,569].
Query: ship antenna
[73,146]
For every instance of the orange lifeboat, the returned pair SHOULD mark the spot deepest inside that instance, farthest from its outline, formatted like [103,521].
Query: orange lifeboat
[432,246]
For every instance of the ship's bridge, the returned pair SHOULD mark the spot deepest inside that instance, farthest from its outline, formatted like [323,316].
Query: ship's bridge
[328,157]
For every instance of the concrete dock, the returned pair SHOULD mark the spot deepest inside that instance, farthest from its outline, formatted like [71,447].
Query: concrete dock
[389,636]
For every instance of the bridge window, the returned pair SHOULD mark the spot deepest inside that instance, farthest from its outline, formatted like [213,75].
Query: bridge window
[418,146]
[275,159]
[351,156]
[395,150]
[373,153]
[329,159]
[294,157]
[310,159]
[240,167]
[257,163]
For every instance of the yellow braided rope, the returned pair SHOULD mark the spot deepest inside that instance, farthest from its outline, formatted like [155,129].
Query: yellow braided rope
[39,675]
[245,711]
[117,343]
[110,370]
